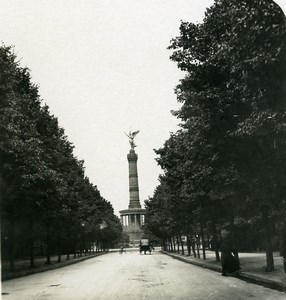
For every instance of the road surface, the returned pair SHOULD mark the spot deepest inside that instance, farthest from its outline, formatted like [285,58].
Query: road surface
[133,276]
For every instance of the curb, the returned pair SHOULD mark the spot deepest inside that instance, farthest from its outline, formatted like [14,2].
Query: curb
[57,265]
[262,281]
[242,275]
[196,263]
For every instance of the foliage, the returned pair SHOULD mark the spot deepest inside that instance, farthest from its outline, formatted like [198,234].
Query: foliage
[228,160]
[44,192]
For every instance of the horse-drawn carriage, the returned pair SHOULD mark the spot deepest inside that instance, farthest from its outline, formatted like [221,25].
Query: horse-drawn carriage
[145,246]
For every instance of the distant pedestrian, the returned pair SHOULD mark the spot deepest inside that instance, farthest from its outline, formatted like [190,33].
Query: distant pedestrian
[229,262]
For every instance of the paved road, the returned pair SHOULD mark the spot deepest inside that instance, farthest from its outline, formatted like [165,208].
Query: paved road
[133,276]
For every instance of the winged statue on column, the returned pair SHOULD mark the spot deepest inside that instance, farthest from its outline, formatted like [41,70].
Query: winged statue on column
[131,136]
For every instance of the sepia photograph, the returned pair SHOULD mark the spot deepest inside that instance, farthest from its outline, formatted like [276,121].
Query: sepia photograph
[143,149]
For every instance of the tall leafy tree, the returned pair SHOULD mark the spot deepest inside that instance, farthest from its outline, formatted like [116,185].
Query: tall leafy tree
[45,194]
[235,88]
[233,116]
[20,147]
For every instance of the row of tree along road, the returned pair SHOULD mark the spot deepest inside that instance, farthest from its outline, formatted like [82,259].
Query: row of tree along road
[225,168]
[48,205]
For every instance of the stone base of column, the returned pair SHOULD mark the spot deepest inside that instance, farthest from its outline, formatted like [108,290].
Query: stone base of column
[135,235]
[132,220]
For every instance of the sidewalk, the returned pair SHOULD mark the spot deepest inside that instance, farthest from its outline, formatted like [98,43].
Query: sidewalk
[22,266]
[252,267]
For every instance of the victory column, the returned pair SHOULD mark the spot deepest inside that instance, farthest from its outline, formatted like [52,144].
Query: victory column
[132,218]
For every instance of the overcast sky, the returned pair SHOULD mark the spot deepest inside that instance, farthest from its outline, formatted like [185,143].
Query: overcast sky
[103,69]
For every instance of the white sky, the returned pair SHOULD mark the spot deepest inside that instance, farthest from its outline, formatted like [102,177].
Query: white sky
[103,68]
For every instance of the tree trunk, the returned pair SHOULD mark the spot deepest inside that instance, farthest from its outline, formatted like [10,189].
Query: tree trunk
[74,247]
[171,245]
[31,242]
[203,240]
[193,244]
[283,245]
[208,240]
[198,246]
[178,244]
[42,248]
[80,247]
[59,252]
[165,244]
[268,242]
[48,262]
[188,245]
[194,249]
[215,241]
[11,239]
[182,245]
[232,232]
[68,243]
[68,248]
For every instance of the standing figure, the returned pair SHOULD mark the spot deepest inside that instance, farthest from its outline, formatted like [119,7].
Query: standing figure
[131,137]
[229,262]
